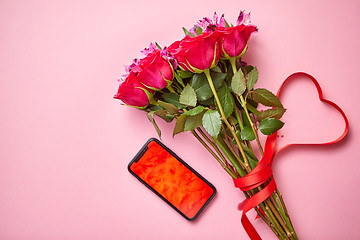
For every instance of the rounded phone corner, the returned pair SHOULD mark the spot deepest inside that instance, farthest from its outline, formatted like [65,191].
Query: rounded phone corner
[152,139]
[129,167]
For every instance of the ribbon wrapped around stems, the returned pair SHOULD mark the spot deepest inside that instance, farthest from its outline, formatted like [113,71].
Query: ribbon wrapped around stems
[262,174]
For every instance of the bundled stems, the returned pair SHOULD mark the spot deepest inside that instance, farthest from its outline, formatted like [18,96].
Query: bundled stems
[276,215]
[268,215]
[223,165]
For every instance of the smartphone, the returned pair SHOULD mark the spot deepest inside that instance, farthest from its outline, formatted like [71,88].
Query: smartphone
[174,181]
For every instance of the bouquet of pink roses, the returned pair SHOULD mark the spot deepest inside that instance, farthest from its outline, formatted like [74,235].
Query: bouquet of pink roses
[202,84]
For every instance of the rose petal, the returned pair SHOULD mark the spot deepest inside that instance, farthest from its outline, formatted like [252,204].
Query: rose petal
[131,92]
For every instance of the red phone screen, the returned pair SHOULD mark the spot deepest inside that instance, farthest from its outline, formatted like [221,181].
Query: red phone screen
[172,180]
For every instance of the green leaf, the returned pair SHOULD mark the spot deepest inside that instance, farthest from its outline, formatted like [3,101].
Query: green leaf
[266,98]
[198,31]
[226,100]
[218,78]
[208,102]
[188,96]
[269,126]
[164,115]
[232,138]
[238,85]
[168,118]
[252,105]
[229,75]
[232,120]
[187,32]
[248,68]
[179,79]
[173,98]
[252,78]
[155,108]
[193,122]
[201,85]
[247,134]
[195,111]
[271,113]
[170,108]
[179,125]
[212,122]
[216,69]
[185,74]
[150,116]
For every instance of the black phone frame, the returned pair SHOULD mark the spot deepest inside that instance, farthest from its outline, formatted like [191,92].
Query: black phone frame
[141,153]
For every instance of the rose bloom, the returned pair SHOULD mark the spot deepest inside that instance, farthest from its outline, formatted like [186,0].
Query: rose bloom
[133,93]
[196,54]
[233,40]
[154,71]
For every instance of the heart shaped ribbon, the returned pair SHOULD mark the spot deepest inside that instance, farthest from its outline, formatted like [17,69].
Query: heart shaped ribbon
[262,173]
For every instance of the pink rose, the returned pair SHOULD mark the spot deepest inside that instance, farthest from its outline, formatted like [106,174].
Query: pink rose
[196,53]
[233,40]
[154,71]
[133,93]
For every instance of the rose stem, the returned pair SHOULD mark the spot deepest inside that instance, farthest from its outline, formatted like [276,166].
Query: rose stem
[278,217]
[212,144]
[237,116]
[278,204]
[229,144]
[286,217]
[227,153]
[246,162]
[241,126]
[228,170]
[215,147]
[170,88]
[282,202]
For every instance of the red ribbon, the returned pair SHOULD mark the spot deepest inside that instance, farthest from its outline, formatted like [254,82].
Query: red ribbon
[263,173]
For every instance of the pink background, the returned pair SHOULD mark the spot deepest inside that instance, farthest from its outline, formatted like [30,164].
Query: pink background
[65,143]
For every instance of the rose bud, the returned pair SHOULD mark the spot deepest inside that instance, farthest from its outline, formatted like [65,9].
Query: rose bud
[155,72]
[196,54]
[133,93]
[233,40]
